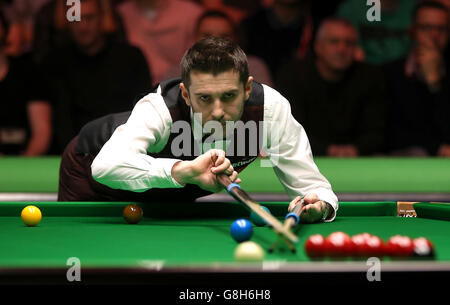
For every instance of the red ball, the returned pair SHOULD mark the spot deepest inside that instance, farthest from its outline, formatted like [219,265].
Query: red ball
[315,246]
[339,245]
[359,246]
[366,235]
[361,250]
[391,246]
[400,246]
[374,247]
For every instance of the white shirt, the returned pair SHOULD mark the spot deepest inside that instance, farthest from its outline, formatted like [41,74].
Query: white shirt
[123,162]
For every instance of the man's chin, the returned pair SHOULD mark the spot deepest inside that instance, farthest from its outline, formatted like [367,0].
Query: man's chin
[341,66]
[85,44]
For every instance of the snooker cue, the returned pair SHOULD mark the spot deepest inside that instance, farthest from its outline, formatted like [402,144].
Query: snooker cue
[291,220]
[241,196]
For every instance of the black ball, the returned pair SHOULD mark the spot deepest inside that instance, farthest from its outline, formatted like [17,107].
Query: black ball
[423,252]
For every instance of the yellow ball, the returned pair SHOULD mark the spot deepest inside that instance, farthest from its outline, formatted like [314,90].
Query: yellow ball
[249,251]
[31,215]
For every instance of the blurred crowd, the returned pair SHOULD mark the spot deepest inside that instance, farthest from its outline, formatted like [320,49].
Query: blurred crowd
[359,86]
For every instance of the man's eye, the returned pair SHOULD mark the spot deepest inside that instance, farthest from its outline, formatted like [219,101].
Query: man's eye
[204,98]
[228,96]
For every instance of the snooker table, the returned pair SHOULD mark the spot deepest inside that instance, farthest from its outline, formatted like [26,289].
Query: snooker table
[191,244]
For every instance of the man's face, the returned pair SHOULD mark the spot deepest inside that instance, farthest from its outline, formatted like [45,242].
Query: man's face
[215,26]
[336,46]
[218,97]
[431,28]
[88,31]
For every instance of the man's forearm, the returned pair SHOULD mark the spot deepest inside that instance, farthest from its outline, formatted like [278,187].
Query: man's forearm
[182,172]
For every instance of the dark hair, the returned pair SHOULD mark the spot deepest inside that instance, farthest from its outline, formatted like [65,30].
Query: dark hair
[333,20]
[214,14]
[214,55]
[428,4]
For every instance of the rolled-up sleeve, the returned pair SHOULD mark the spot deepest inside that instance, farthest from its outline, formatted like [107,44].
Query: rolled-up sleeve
[290,153]
[123,162]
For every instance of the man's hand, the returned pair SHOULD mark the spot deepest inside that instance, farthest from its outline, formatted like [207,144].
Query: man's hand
[429,61]
[202,170]
[342,150]
[313,209]
[444,150]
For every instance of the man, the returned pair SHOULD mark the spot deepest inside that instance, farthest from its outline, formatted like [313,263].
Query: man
[138,156]
[83,77]
[25,116]
[419,88]
[51,26]
[162,29]
[339,101]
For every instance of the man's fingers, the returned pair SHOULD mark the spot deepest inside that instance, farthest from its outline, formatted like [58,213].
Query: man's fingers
[294,202]
[232,177]
[225,168]
[221,164]
[311,198]
[218,156]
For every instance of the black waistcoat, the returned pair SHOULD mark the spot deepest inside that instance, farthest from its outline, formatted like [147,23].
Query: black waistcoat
[95,134]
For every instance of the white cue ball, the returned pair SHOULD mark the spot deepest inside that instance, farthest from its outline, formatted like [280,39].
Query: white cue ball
[249,251]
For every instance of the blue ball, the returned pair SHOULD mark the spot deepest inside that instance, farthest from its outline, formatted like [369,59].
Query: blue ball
[258,221]
[241,230]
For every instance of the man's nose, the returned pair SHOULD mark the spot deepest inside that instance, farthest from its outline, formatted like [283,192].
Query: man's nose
[343,46]
[218,111]
[435,35]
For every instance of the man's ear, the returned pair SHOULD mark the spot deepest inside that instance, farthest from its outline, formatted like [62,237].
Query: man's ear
[185,94]
[248,87]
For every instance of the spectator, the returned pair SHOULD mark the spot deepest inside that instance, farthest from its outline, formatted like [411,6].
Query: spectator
[162,29]
[385,40]
[20,15]
[51,27]
[25,119]
[218,24]
[93,76]
[340,102]
[279,33]
[419,88]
